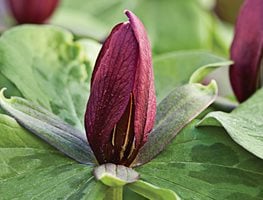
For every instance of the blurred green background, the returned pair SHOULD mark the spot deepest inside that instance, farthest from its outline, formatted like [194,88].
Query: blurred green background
[174,27]
[177,29]
[172,24]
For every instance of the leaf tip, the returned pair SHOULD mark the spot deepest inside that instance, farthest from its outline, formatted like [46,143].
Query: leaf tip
[2,91]
[2,96]
[214,86]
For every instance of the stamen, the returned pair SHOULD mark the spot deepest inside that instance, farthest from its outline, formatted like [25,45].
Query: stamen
[113,135]
[126,140]
[132,148]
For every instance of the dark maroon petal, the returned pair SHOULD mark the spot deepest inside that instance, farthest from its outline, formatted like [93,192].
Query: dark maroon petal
[112,84]
[104,49]
[151,110]
[247,50]
[122,105]
[144,93]
[32,11]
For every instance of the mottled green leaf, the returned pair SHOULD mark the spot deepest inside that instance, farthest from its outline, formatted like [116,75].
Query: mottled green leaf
[206,164]
[200,164]
[175,69]
[49,127]
[244,124]
[39,171]
[152,192]
[48,68]
[32,169]
[173,113]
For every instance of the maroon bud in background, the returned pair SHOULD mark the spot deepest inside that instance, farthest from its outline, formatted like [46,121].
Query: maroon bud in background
[247,50]
[122,105]
[32,11]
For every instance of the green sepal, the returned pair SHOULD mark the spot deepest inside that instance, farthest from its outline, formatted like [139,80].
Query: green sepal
[178,109]
[49,127]
[115,175]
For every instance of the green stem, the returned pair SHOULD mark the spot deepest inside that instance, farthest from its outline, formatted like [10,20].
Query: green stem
[115,193]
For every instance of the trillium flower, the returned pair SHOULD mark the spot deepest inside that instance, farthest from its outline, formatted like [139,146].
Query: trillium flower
[246,74]
[122,105]
[32,11]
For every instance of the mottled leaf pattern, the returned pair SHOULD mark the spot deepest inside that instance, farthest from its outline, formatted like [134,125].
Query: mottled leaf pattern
[37,170]
[244,124]
[205,164]
[179,108]
[49,127]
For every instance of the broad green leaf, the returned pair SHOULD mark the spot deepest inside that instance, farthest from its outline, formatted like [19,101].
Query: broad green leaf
[48,68]
[201,163]
[173,113]
[175,69]
[32,169]
[115,175]
[244,124]
[152,192]
[41,172]
[49,127]
[204,164]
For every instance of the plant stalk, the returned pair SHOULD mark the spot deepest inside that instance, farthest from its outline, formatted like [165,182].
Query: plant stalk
[114,193]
